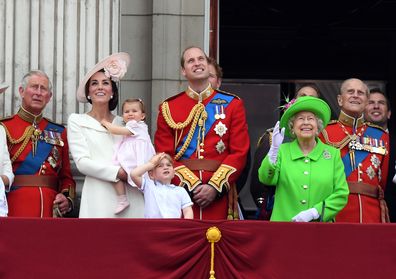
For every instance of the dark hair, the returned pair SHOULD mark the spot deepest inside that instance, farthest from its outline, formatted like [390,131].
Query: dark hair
[310,84]
[113,101]
[218,69]
[379,91]
[182,60]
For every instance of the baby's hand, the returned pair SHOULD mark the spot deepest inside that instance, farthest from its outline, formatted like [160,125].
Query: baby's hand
[156,159]
[105,123]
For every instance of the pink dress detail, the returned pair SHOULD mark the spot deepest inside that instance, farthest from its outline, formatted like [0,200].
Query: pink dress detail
[134,150]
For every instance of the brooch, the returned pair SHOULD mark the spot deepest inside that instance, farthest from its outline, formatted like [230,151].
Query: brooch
[220,146]
[220,129]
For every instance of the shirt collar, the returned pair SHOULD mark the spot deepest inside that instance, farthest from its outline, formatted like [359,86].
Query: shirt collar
[314,155]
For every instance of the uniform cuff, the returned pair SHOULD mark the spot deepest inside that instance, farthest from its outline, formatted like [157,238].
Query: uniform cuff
[220,177]
[187,177]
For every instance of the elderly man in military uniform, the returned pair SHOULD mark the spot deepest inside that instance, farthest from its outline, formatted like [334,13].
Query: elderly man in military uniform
[205,130]
[364,151]
[43,185]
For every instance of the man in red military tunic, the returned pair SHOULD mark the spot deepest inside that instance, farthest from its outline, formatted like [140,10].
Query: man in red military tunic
[365,153]
[205,130]
[43,185]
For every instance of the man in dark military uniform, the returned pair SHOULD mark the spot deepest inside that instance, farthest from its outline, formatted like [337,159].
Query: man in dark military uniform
[365,152]
[43,185]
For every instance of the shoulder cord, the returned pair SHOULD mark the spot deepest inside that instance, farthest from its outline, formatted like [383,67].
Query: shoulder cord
[193,117]
[25,138]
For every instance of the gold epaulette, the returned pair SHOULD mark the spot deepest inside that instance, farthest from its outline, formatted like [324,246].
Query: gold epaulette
[375,126]
[228,93]
[187,177]
[220,177]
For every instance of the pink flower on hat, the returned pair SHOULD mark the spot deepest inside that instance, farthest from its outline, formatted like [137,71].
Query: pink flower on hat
[288,104]
[292,101]
[115,69]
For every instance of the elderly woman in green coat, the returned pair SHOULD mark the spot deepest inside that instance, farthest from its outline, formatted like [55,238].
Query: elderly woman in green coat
[308,174]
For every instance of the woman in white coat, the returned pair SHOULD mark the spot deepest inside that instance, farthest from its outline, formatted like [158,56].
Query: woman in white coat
[92,146]
[6,174]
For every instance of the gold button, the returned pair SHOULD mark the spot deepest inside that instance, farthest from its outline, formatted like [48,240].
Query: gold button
[201,150]
[201,157]
[43,171]
[216,178]
[44,167]
[303,201]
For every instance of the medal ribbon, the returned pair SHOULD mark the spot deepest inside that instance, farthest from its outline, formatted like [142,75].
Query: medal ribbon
[31,165]
[210,108]
[360,155]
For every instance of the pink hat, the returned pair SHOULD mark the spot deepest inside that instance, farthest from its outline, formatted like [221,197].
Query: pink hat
[3,87]
[115,67]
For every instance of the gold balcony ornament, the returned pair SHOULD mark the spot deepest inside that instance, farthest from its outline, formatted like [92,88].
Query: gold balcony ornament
[213,235]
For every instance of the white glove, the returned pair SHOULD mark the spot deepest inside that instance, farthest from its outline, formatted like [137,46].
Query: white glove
[306,215]
[277,139]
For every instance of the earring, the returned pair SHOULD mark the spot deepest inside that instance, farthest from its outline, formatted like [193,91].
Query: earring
[111,97]
[89,97]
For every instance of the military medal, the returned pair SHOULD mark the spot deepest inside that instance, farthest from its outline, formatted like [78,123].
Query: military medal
[368,144]
[220,146]
[222,114]
[51,161]
[52,137]
[375,161]
[55,153]
[370,172]
[217,115]
[220,129]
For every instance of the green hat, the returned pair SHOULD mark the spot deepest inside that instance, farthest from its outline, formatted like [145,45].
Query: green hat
[307,103]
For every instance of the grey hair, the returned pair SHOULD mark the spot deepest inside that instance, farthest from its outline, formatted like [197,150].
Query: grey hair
[291,120]
[26,78]
[345,82]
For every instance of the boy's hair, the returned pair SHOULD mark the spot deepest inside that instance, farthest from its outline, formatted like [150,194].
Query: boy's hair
[168,157]
[141,104]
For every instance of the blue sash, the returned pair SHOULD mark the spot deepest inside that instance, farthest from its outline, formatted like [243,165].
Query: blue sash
[360,155]
[31,165]
[211,110]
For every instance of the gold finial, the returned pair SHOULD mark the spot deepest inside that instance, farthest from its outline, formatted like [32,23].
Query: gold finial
[213,235]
